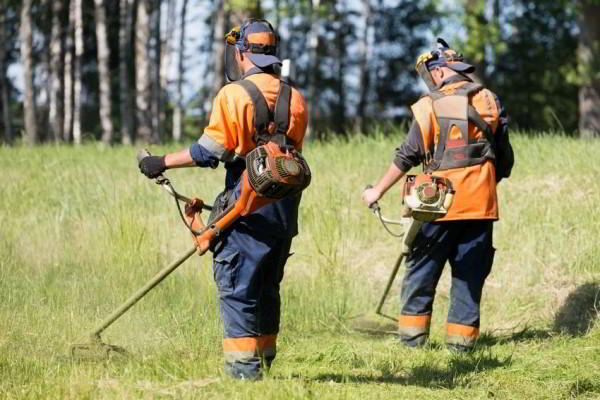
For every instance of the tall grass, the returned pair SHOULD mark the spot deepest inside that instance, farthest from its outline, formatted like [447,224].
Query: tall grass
[80,229]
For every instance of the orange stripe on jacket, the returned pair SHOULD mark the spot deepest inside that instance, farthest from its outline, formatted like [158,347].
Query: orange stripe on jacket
[462,330]
[417,321]
[256,344]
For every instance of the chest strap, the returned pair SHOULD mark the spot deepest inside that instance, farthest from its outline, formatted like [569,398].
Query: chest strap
[270,126]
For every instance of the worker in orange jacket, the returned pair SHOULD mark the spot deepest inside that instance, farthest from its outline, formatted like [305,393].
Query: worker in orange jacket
[459,132]
[249,257]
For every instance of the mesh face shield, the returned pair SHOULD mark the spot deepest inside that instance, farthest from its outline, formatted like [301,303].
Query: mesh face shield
[232,68]
[424,72]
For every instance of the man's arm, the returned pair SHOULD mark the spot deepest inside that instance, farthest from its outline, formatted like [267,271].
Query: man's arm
[205,153]
[409,155]
[195,156]
[393,175]
[181,159]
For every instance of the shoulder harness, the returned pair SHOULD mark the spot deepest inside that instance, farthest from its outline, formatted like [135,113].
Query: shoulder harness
[454,110]
[270,126]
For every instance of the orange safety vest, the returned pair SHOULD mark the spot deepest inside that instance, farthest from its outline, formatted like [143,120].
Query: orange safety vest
[457,124]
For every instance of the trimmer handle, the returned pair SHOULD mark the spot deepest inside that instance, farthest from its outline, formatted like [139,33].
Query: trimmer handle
[375,205]
[160,179]
[141,154]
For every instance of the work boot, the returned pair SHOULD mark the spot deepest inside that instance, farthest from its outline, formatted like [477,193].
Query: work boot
[416,341]
[244,371]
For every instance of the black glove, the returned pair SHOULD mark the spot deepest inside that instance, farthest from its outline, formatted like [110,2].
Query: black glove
[152,166]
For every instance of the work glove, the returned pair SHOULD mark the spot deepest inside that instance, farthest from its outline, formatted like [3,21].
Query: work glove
[152,166]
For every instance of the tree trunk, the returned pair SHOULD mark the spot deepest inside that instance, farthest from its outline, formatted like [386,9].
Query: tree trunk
[127,119]
[313,44]
[219,46]
[364,52]
[142,76]
[31,135]
[56,110]
[589,65]
[68,76]
[4,97]
[340,44]
[44,131]
[166,55]
[103,72]
[77,85]
[178,112]
[156,82]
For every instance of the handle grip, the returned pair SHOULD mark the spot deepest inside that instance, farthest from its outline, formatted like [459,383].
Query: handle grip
[375,205]
[141,154]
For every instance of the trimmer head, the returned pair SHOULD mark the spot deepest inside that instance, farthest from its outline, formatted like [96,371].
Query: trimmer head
[96,350]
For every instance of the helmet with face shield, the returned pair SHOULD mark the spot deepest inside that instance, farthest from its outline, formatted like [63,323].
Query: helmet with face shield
[443,56]
[258,39]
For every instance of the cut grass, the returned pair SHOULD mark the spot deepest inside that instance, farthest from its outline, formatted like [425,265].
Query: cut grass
[81,229]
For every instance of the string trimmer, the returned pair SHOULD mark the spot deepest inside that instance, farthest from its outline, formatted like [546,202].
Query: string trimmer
[271,174]
[425,198]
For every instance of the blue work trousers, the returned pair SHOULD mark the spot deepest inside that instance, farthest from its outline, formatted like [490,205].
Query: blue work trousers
[467,246]
[248,268]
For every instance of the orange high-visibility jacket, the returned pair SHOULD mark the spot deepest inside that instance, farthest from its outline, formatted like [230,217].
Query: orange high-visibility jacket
[475,185]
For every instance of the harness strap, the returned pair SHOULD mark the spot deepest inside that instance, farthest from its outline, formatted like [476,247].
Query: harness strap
[453,109]
[263,116]
[479,122]
[469,89]
[282,114]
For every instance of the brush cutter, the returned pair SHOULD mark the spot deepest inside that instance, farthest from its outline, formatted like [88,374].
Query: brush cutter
[271,174]
[425,198]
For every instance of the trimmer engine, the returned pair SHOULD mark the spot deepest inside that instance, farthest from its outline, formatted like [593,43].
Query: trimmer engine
[276,174]
[427,197]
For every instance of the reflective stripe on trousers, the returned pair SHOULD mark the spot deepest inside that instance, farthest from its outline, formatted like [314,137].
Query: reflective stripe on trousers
[461,335]
[247,348]
[414,329]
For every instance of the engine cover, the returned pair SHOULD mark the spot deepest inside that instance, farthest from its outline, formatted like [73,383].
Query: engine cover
[427,197]
[274,173]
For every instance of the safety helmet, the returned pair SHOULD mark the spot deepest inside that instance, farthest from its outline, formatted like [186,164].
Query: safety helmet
[443,56]
[255,37]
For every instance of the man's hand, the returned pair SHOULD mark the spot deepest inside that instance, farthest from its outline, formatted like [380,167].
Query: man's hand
[152,166]
[370,196]
[393,175]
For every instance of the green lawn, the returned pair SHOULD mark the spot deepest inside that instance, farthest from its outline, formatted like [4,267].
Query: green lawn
[81,229]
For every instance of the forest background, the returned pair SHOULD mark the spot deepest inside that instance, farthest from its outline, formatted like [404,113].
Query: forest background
[120,71]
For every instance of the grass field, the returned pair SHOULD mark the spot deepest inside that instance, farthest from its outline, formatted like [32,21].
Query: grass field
[81,229]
